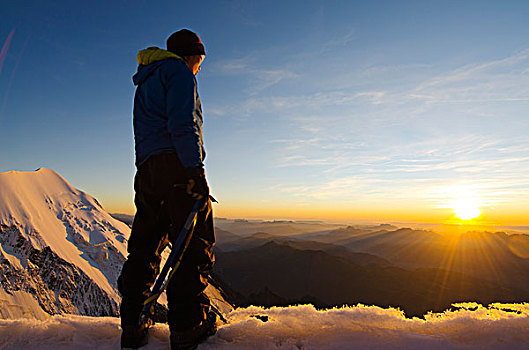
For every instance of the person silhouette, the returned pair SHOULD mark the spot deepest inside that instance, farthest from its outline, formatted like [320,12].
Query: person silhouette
[169,151]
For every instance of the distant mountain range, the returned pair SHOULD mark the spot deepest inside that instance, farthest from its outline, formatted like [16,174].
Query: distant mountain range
[493,256]
[416,270]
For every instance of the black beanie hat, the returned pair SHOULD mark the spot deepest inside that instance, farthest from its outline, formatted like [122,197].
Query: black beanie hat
[185,43]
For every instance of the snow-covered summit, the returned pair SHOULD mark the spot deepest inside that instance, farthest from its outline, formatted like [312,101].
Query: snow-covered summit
[42,200]
[54,240]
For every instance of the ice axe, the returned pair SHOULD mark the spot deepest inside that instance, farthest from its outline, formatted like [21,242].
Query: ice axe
[178,248]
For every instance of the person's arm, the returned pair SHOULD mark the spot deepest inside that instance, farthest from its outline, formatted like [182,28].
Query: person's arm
[183,124]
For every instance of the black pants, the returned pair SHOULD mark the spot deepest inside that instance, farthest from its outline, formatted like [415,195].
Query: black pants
[161,211]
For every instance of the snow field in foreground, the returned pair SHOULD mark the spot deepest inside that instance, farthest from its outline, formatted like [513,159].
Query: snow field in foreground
[472,326]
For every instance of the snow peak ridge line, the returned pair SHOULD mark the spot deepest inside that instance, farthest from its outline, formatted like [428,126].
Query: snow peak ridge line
[167,110]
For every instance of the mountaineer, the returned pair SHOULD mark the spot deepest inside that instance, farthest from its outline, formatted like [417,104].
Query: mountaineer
[169,153]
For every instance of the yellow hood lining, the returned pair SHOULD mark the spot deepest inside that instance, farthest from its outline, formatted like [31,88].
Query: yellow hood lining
[154,54]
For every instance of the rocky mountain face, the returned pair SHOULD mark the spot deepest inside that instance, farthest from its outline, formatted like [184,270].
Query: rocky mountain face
[57,285]
[60,252]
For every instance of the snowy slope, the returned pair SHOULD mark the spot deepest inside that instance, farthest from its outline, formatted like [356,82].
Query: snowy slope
[302,327]
[59,246]
[51,212]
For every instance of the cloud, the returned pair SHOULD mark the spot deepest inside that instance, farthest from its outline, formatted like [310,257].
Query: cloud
[417,171]
[268,78]
[259,78]
[403,131]
[233,65]
[284,105]
[338,41]
[502,80]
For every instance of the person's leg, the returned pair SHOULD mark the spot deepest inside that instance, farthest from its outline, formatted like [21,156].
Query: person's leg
[155,202]
[147,240]
[142,266]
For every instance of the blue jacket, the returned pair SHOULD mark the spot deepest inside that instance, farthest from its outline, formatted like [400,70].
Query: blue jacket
[167,111]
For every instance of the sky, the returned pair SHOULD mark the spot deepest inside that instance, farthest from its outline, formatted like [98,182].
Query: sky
[356,110]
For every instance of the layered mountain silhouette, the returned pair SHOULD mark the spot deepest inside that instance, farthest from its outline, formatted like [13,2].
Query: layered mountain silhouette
[416,270]
[493,256]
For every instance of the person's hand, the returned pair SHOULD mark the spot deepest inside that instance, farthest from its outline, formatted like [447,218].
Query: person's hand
[197,185]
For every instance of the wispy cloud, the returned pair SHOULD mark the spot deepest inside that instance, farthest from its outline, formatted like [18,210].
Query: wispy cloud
[419,171]
[259,78]
[338,41]
[398,131]
[269,78]
[500,80]
[286,104]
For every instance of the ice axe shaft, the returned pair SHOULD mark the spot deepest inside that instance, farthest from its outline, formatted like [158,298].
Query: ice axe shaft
[178,249]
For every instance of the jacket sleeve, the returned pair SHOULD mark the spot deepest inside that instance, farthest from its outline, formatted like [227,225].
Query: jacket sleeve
[184,125]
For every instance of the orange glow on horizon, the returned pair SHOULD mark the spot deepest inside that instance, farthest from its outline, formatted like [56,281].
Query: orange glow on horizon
[418,214]
[373,212]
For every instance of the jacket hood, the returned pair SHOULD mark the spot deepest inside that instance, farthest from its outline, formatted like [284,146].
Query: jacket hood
[149,60]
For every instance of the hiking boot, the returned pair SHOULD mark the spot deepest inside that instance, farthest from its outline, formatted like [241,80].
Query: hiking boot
[191,338]
[133,337]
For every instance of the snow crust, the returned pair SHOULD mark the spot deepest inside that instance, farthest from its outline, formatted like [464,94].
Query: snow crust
[471,326]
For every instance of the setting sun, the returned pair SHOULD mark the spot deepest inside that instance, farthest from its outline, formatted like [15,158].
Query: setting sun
[466,201]
[466,209]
